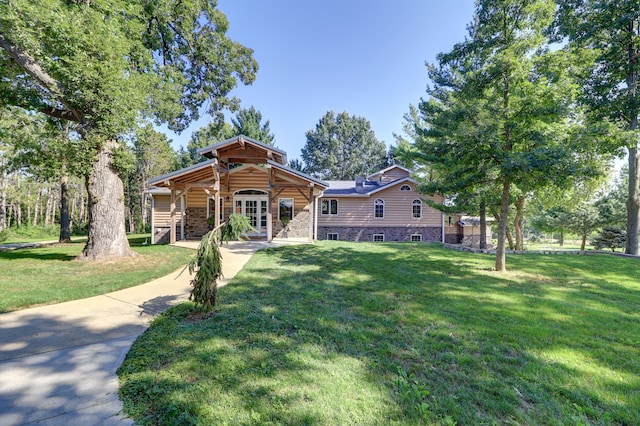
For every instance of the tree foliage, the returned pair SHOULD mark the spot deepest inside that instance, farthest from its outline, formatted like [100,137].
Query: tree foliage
[248,122]
[342,147]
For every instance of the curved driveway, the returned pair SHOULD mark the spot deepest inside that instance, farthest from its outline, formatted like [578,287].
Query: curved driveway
[58,362]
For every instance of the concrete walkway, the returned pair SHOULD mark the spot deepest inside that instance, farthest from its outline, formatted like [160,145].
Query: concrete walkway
[58,363]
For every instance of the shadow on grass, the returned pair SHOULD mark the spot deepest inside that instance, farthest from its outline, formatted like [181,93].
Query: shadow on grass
[395,333]
[41,253]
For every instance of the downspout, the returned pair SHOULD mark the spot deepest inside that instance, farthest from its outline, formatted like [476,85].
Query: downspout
[153,219]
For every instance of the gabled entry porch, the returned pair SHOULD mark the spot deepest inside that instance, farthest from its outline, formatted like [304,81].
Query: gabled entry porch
[242,176]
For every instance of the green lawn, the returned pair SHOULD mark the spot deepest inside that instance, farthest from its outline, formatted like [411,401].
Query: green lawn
[50,274]
[377,334]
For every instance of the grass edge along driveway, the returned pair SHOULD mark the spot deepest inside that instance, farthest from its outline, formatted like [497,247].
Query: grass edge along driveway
[342,333]
[48,275]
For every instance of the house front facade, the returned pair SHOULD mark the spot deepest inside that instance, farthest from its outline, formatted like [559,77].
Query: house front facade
[383,206]
[242,175]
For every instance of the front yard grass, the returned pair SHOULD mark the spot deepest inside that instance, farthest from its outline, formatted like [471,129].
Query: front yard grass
[378,334]
[47,275]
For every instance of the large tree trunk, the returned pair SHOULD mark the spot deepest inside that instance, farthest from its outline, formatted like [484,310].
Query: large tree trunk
[501,259]
[483,225]
[106,236]
[65,223]
[517,222]
[633,201]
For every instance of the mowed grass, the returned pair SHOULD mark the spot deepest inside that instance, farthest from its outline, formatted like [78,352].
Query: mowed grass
[377,334]
[47,275]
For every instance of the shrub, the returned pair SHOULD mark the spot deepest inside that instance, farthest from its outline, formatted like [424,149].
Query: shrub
[610,237]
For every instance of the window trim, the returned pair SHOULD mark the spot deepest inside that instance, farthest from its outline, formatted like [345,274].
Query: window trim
[328,213]
[413,205]
[373,238]
[337,238]
[416,235]
[293,210]
[378,202]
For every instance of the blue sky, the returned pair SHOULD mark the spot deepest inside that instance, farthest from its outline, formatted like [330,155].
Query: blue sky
[365,57]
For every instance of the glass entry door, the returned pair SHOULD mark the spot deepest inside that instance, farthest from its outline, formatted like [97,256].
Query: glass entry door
[255,209]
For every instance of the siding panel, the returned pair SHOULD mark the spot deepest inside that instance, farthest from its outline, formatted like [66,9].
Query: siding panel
[358,211]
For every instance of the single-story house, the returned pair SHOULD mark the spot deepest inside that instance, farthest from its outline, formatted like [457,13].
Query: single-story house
[242,175]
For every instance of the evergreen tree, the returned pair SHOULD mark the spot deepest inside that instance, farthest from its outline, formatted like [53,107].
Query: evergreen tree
[248,122]
[342,147]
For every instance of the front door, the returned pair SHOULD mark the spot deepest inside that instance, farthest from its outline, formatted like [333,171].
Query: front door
[254,207]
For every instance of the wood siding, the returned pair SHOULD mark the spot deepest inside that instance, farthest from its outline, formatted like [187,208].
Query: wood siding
[162,211]
[394,174]
[358,211]
[196,197]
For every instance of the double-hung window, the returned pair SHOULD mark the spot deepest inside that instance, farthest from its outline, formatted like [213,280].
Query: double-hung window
[416,209]
[378,209]
[329,207]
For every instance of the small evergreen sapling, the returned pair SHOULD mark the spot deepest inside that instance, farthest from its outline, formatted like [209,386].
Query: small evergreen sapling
[611,237]
[207,263]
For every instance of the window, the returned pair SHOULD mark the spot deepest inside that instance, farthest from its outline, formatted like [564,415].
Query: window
[416,237]
[416,209]
[285,208]
[333,236]
[378,238]
[405,188]
[378,209]
[329,207]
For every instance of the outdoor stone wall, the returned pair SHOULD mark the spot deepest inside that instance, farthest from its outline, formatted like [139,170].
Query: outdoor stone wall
[473,241]
[298,227]
[196,222]
[453,238]
[429,233]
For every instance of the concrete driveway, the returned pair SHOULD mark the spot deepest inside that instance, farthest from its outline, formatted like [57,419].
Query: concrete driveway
[58,363]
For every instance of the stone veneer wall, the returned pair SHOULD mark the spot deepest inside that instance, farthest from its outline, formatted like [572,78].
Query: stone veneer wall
[391,233]
[298,227]
[196,222]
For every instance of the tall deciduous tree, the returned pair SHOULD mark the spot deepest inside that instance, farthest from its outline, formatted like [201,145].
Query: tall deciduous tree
[163,59]
[610,32]
[342,147]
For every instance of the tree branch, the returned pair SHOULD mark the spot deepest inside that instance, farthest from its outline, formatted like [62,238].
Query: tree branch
[31,67]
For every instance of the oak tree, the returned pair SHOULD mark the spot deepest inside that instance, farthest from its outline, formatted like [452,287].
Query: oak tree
[104,66]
